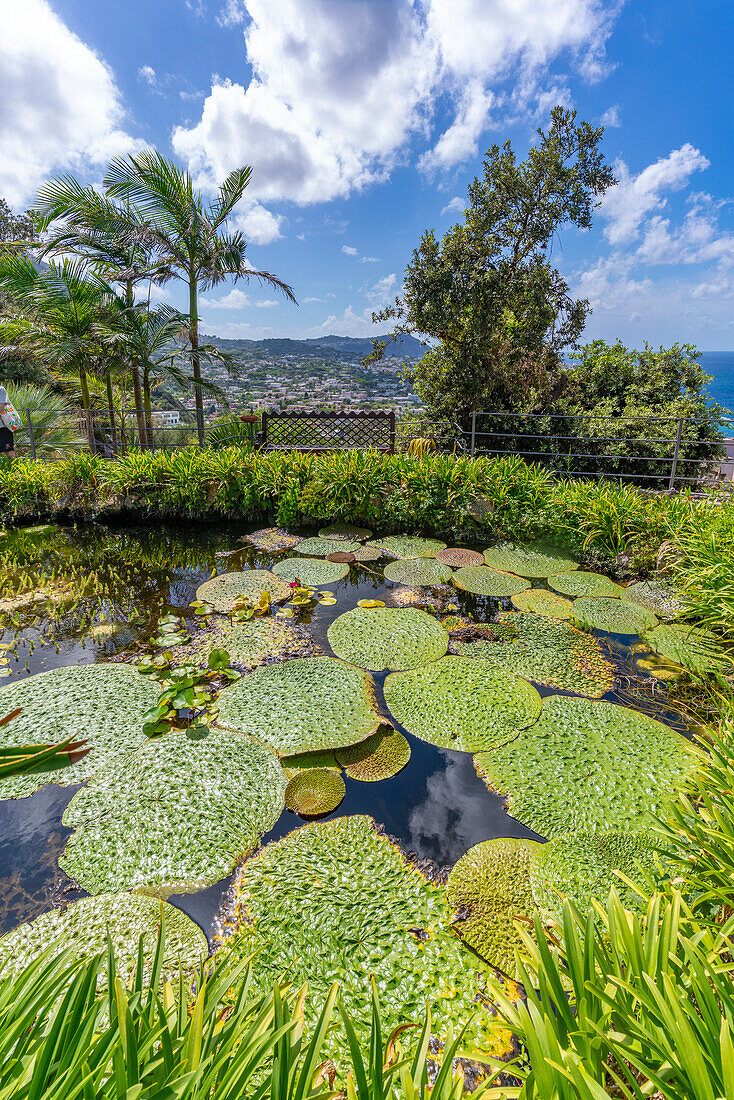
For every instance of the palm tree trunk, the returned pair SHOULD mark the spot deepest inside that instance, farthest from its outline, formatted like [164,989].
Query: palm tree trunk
[147,405]
[137,394]
[194,337]
[111,410]
[88,422]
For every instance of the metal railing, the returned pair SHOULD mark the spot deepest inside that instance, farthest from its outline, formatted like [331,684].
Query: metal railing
[660,452]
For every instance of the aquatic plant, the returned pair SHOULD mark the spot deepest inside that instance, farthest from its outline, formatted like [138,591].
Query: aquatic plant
[367,553]
[541,601]
[250,644]
[341,531]
[612,615]
[271,538]
[388,638]
[101,704]
[319,548]
[405,546]
[534,560]
[180,814]
[548,651]
[417,571]
[455,556]
[490,890]
[695,649]
[314,791]
[659,595]
[310,571]
[587,766]
[483,581]
[580,583]
[301,706]
[380,757]
[225,590]
[459,703]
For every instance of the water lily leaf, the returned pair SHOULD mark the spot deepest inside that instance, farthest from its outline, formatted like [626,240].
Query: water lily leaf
[341,531]
[581,583]
[370,603]
[102,704]
[302,760]
[328,601]
[547,651]
[405,546]
[380,757]
[310,571]
[319,548]
[341,556]
[180,814]
[417,571]
[587,766]
[458,703]
[367,553]
[490,889]
[224,591]
[658,595]
[693,648]
[315,791]
[301,706]
[272,538]
[614,616]
[534,560]
[388,638]
[83,926]
[456,556]
[540,601]
[483,581]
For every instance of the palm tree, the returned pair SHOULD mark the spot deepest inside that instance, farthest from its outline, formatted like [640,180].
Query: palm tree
[51,416]
[190,236]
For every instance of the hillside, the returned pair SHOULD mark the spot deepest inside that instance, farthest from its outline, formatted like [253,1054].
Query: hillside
[322,347]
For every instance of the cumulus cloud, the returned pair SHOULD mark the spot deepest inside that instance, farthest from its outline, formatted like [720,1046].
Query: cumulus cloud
[611,117]
[257,223]
[61,105]
[238,299]
[349,250]
[454,206]
[383,290]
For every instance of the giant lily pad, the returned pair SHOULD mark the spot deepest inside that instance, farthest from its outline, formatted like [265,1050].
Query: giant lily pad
[302,706]
[314,791]
[224,591]
[488,582]
[179,815]
[417,571]
[545,650]
[614,616]
[456,556]
[367,553]
[387,637]
[336,901]
[535,560]
[341,531]
[310,571]
[540,601]
[404,546]
[580,583]
[83,926]
[457,703]
[658,595]
[319,548]
[272,538]
[696,649]
[249,644]
[101,704]
[583,866]
[587,766]
[490,888]
[379,757]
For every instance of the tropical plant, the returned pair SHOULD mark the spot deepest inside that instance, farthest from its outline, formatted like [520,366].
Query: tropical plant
[52,420]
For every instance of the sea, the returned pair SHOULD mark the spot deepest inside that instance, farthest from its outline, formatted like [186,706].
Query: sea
[720,365]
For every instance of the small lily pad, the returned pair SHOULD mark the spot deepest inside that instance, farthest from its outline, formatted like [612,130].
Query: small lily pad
[534,560]
[388,638]
[540,601]
[483,581]
[581,583]
[405,546]
[417,571]
[370,603]
[314,792]
[272,538]
[367,553]
[310,571]
[224,591]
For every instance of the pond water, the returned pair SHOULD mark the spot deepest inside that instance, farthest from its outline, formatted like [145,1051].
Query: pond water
[110,586]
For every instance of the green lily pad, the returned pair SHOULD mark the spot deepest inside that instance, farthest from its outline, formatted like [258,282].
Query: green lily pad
[582,866]
[224,591]
[302,706]
[179,815]
[587,766]
[695,649]
[540,601]
[490,887]
[483,581]
[367,553]
[388,637]
[417,571]
[341,531]
[300,761]
[315,791]
[612,615]
[458,703]
[320,548]
[272,538]
[657,595]
[337,901]
[82,928]
[379,757]
[580,583]
[404,546]
[534,560]
[311,571]
[102,704]
[547,651]
[249,644]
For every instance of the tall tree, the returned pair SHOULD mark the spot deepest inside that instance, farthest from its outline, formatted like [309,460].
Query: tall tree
[190,236]
[487,296]
[17,235]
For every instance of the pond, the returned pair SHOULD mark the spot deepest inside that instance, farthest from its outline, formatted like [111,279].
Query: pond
[92,594]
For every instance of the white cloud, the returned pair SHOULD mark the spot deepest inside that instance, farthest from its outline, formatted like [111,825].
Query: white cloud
[148,74]
[461,140]
[61,105]
[611,117]
[232,14]
[259,225]
[236,299]
[267,303]
[454,206]
[626,205]
[307,300]
[369,259]
[349,250]
[351,323]
[383,290]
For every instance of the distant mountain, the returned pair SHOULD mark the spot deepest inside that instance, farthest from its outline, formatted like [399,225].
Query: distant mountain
[321,347]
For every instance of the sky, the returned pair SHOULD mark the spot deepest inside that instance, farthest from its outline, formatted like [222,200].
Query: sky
[364,121]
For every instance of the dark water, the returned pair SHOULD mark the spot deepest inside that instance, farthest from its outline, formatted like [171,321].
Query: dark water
[437,807]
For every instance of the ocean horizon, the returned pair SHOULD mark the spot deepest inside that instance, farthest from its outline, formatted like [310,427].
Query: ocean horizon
[720,365]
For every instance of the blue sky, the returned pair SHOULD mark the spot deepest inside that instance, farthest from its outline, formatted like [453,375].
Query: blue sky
[364,121]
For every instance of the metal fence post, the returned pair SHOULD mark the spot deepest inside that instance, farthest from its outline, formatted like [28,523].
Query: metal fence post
[473,432]
[676,451]
[30,432]
[391,426]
